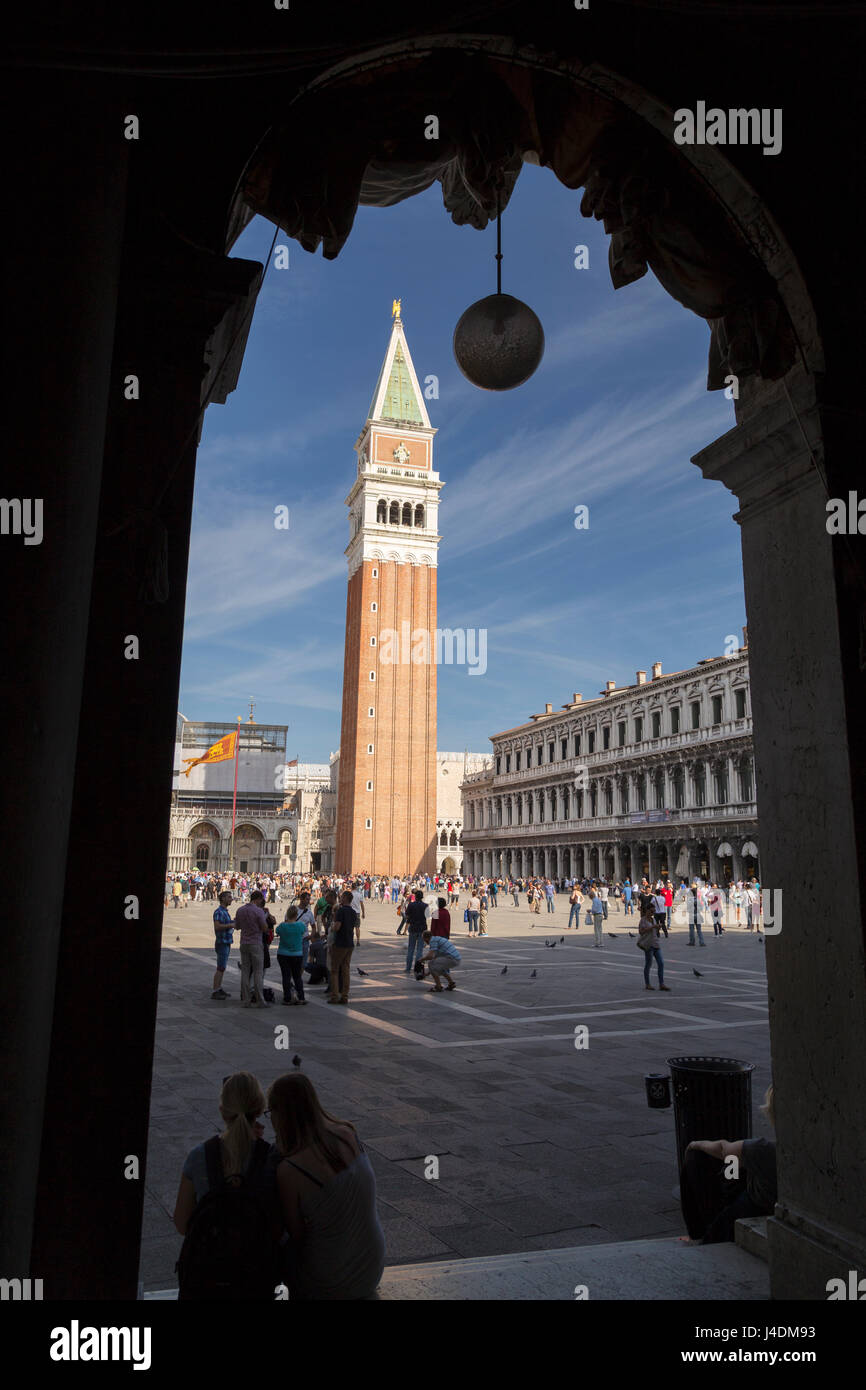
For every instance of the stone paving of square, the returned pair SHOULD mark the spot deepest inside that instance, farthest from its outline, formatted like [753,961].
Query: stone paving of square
[540,1145]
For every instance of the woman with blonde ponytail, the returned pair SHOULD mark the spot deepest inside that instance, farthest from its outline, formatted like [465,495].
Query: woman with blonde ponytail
[228,1206]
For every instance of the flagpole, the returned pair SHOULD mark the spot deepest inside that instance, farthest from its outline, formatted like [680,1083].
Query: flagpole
[235,795]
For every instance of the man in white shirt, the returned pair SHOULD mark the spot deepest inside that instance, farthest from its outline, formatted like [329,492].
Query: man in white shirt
[473,909]
[603,894]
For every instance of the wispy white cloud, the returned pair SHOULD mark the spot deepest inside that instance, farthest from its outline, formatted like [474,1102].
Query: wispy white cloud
[536,474]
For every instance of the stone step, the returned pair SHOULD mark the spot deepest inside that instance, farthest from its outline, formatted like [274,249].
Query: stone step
[651,1270]
[750,1233]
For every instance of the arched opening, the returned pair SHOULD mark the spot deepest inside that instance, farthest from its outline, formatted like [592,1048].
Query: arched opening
[394,514]
[751,867]
[247,852]
[795,410]
[381,510]
[203,846]
[419,514]
[407,514]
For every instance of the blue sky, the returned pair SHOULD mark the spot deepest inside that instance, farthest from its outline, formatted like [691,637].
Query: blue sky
[609,420]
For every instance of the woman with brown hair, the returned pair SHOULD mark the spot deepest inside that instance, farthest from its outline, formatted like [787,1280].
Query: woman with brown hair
[327,1189]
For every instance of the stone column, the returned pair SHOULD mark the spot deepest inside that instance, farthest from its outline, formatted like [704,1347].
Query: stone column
[179,310]
[673,856]
[60,319]
[804,609]
[636,861]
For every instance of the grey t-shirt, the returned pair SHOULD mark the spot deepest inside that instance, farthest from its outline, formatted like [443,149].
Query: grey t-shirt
[759,1162]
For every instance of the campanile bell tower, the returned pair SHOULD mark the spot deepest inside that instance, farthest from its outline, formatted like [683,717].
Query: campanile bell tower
[386,804]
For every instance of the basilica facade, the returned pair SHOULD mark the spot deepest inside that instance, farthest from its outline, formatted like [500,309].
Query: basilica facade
[645,779]
[286,813]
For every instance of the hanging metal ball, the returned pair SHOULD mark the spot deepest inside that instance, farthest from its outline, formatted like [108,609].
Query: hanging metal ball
[498,343]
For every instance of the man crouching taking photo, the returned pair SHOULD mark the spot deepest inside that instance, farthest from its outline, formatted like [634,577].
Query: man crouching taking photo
[443,955]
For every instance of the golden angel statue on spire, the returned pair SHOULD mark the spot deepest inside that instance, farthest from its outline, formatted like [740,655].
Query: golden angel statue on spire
[395,308]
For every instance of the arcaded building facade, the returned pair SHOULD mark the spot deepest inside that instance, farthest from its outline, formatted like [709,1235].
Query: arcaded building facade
[651,778]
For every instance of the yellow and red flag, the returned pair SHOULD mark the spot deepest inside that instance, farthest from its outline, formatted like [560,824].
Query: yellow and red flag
[219,752]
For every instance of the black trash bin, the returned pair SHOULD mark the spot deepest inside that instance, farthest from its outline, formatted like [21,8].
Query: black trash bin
[712,1099]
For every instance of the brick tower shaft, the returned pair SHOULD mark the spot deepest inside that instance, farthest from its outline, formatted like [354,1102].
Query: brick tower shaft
[386,802]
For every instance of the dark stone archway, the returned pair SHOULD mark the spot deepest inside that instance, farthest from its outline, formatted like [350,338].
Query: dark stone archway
[153,293]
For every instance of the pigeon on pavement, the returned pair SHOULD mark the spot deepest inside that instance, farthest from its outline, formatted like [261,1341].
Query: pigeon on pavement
[698,973]
[631,934]
[360,971]
[562,941]
[296,1061]
[504,970]
[612,935]
[533,975]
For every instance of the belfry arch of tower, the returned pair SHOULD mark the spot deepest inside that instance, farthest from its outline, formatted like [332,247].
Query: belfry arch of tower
[146,226]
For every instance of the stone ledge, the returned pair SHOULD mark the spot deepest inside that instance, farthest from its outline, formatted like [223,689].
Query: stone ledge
[750,1234]
[649,1270]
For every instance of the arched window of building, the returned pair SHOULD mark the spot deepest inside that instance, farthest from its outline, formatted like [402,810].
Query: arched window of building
[443,838]
[419,515]
[407,514]
[394,514]
[381,510]
[453,839]
[608,798]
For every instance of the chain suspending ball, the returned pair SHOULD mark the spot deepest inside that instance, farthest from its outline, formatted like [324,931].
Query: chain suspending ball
[498,342]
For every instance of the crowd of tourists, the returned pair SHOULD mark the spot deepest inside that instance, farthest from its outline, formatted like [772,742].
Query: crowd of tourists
[321,922]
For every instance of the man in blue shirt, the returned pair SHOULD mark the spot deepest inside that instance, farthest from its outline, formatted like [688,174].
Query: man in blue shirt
[223,938]
[443,955]
[627,896]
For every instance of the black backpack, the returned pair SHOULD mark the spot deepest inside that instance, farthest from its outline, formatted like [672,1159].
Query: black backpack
[229,1251]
